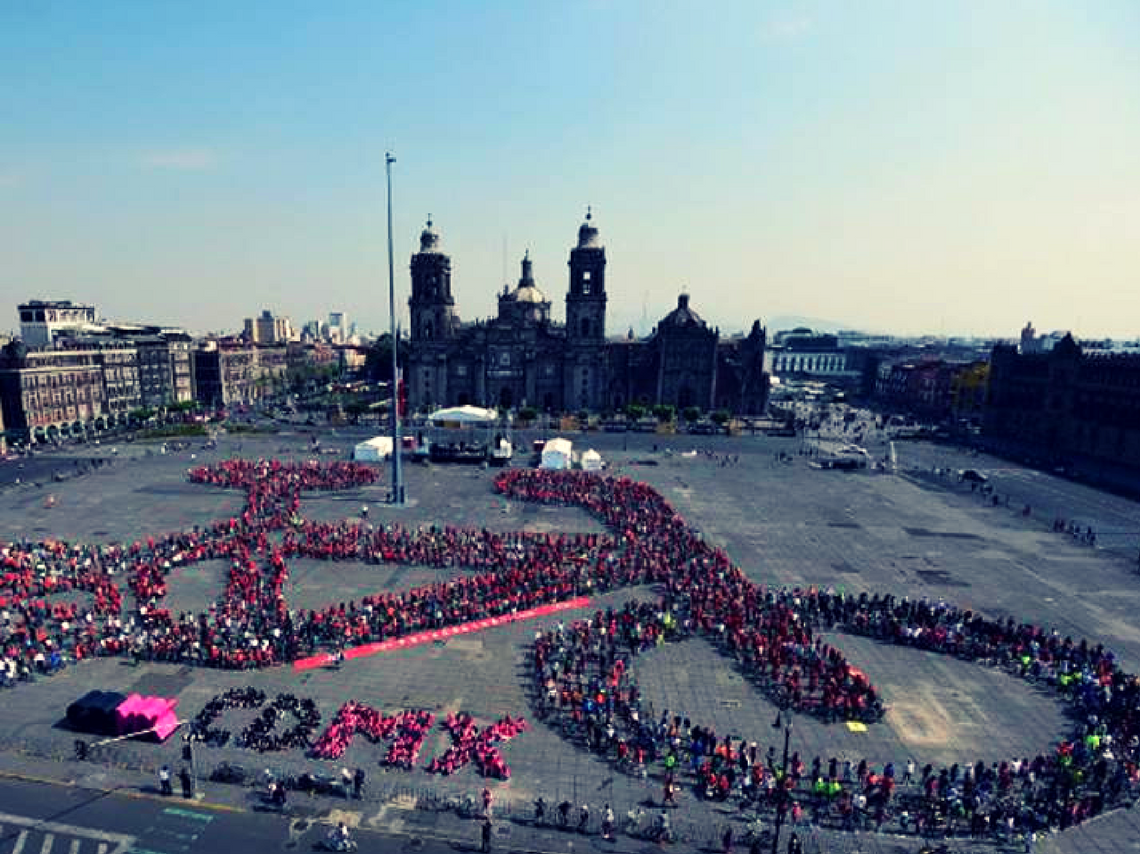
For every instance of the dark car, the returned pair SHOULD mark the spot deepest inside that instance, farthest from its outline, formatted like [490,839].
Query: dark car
[972,476]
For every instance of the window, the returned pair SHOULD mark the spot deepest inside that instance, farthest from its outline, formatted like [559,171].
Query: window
[504,359]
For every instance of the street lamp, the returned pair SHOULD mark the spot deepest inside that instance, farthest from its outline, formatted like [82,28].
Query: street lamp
[782,795]
[397,474]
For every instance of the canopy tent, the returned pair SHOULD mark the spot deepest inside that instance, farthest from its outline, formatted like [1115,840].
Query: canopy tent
[463,415]
[557,454]
[591,460]
[373,450]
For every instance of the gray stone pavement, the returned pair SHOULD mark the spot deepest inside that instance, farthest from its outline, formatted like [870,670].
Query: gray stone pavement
[784,523]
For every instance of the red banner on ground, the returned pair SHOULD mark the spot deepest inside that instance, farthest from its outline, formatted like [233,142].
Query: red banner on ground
[441,634]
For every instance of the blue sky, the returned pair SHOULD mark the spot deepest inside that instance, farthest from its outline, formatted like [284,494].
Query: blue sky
[903,166]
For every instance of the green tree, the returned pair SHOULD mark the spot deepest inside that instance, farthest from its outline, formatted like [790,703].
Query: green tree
[635,412]
[720,417]
[528,413]
[691,414]
[664,412]
[378,361]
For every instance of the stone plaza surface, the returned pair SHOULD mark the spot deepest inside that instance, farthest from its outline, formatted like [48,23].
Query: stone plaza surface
[783,523]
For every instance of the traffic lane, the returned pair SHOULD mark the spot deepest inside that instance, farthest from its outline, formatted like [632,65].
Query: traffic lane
[179,826]
[159,826]
[1049,495]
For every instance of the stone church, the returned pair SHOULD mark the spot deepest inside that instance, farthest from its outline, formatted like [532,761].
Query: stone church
[523,358]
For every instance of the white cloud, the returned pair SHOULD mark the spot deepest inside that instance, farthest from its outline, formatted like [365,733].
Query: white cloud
[186,159]
[785,27]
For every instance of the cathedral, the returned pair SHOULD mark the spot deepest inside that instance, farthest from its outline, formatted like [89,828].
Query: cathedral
[523,358]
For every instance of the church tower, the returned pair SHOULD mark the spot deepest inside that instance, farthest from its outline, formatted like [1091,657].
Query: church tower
[431,306]
[586,300]
[584,376]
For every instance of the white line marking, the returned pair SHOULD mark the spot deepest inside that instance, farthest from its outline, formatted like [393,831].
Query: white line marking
[74,849]
[20,840]
[102,849]
[49,840]
[121,841]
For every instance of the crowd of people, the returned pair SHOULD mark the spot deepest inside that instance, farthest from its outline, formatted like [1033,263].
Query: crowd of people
[773,634]
[471,743]
[267,733]
[406,730]
[202,726]
[583,682]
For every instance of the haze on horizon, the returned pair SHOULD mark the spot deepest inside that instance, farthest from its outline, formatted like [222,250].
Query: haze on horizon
[951,167]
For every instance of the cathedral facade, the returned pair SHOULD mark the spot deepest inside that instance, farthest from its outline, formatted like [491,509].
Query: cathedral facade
[522,357]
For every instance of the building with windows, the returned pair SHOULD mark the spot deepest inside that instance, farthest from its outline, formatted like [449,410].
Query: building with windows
[229,371]
[522,357]
[1067,408]
[268,329]
[42,320]
[50,394]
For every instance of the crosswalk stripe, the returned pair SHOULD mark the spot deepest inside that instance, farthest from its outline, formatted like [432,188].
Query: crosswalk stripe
[49,840]
[102,849]
[20,840]
[115,841]
[74,849]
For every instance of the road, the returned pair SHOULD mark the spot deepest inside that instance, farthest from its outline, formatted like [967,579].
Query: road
[1049,496]
[42,818]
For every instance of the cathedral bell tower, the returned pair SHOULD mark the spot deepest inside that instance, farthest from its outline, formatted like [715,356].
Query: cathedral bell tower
[586,300]
[431,306]
[584,379]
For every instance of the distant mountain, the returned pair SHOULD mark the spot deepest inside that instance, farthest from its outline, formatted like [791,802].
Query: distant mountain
[784,322]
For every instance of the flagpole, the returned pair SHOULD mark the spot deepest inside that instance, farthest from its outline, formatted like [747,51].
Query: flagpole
[397,473]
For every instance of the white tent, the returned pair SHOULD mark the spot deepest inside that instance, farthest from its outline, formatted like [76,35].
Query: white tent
[557,454]
[373,450]
[464,415]
[591,460]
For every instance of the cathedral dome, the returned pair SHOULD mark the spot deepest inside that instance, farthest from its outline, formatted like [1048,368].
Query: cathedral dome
[527,290]
[529,294]
[682,315]
[429,238]
[588,233]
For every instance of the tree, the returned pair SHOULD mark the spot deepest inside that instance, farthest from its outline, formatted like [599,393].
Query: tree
[378,361]
[720,417]
[635,412]
[664,412]
[528,413]
[691,414]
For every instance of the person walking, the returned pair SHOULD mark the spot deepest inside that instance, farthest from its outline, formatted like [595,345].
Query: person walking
[607,823]
[164,784]
[187,783]
[584,818]
[726,840]
[485,834]
[358,783]
[347,779]
[488,800]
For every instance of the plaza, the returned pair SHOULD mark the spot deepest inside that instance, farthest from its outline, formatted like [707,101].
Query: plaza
[783,523]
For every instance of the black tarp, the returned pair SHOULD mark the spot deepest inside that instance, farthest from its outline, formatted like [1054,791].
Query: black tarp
[94,712]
